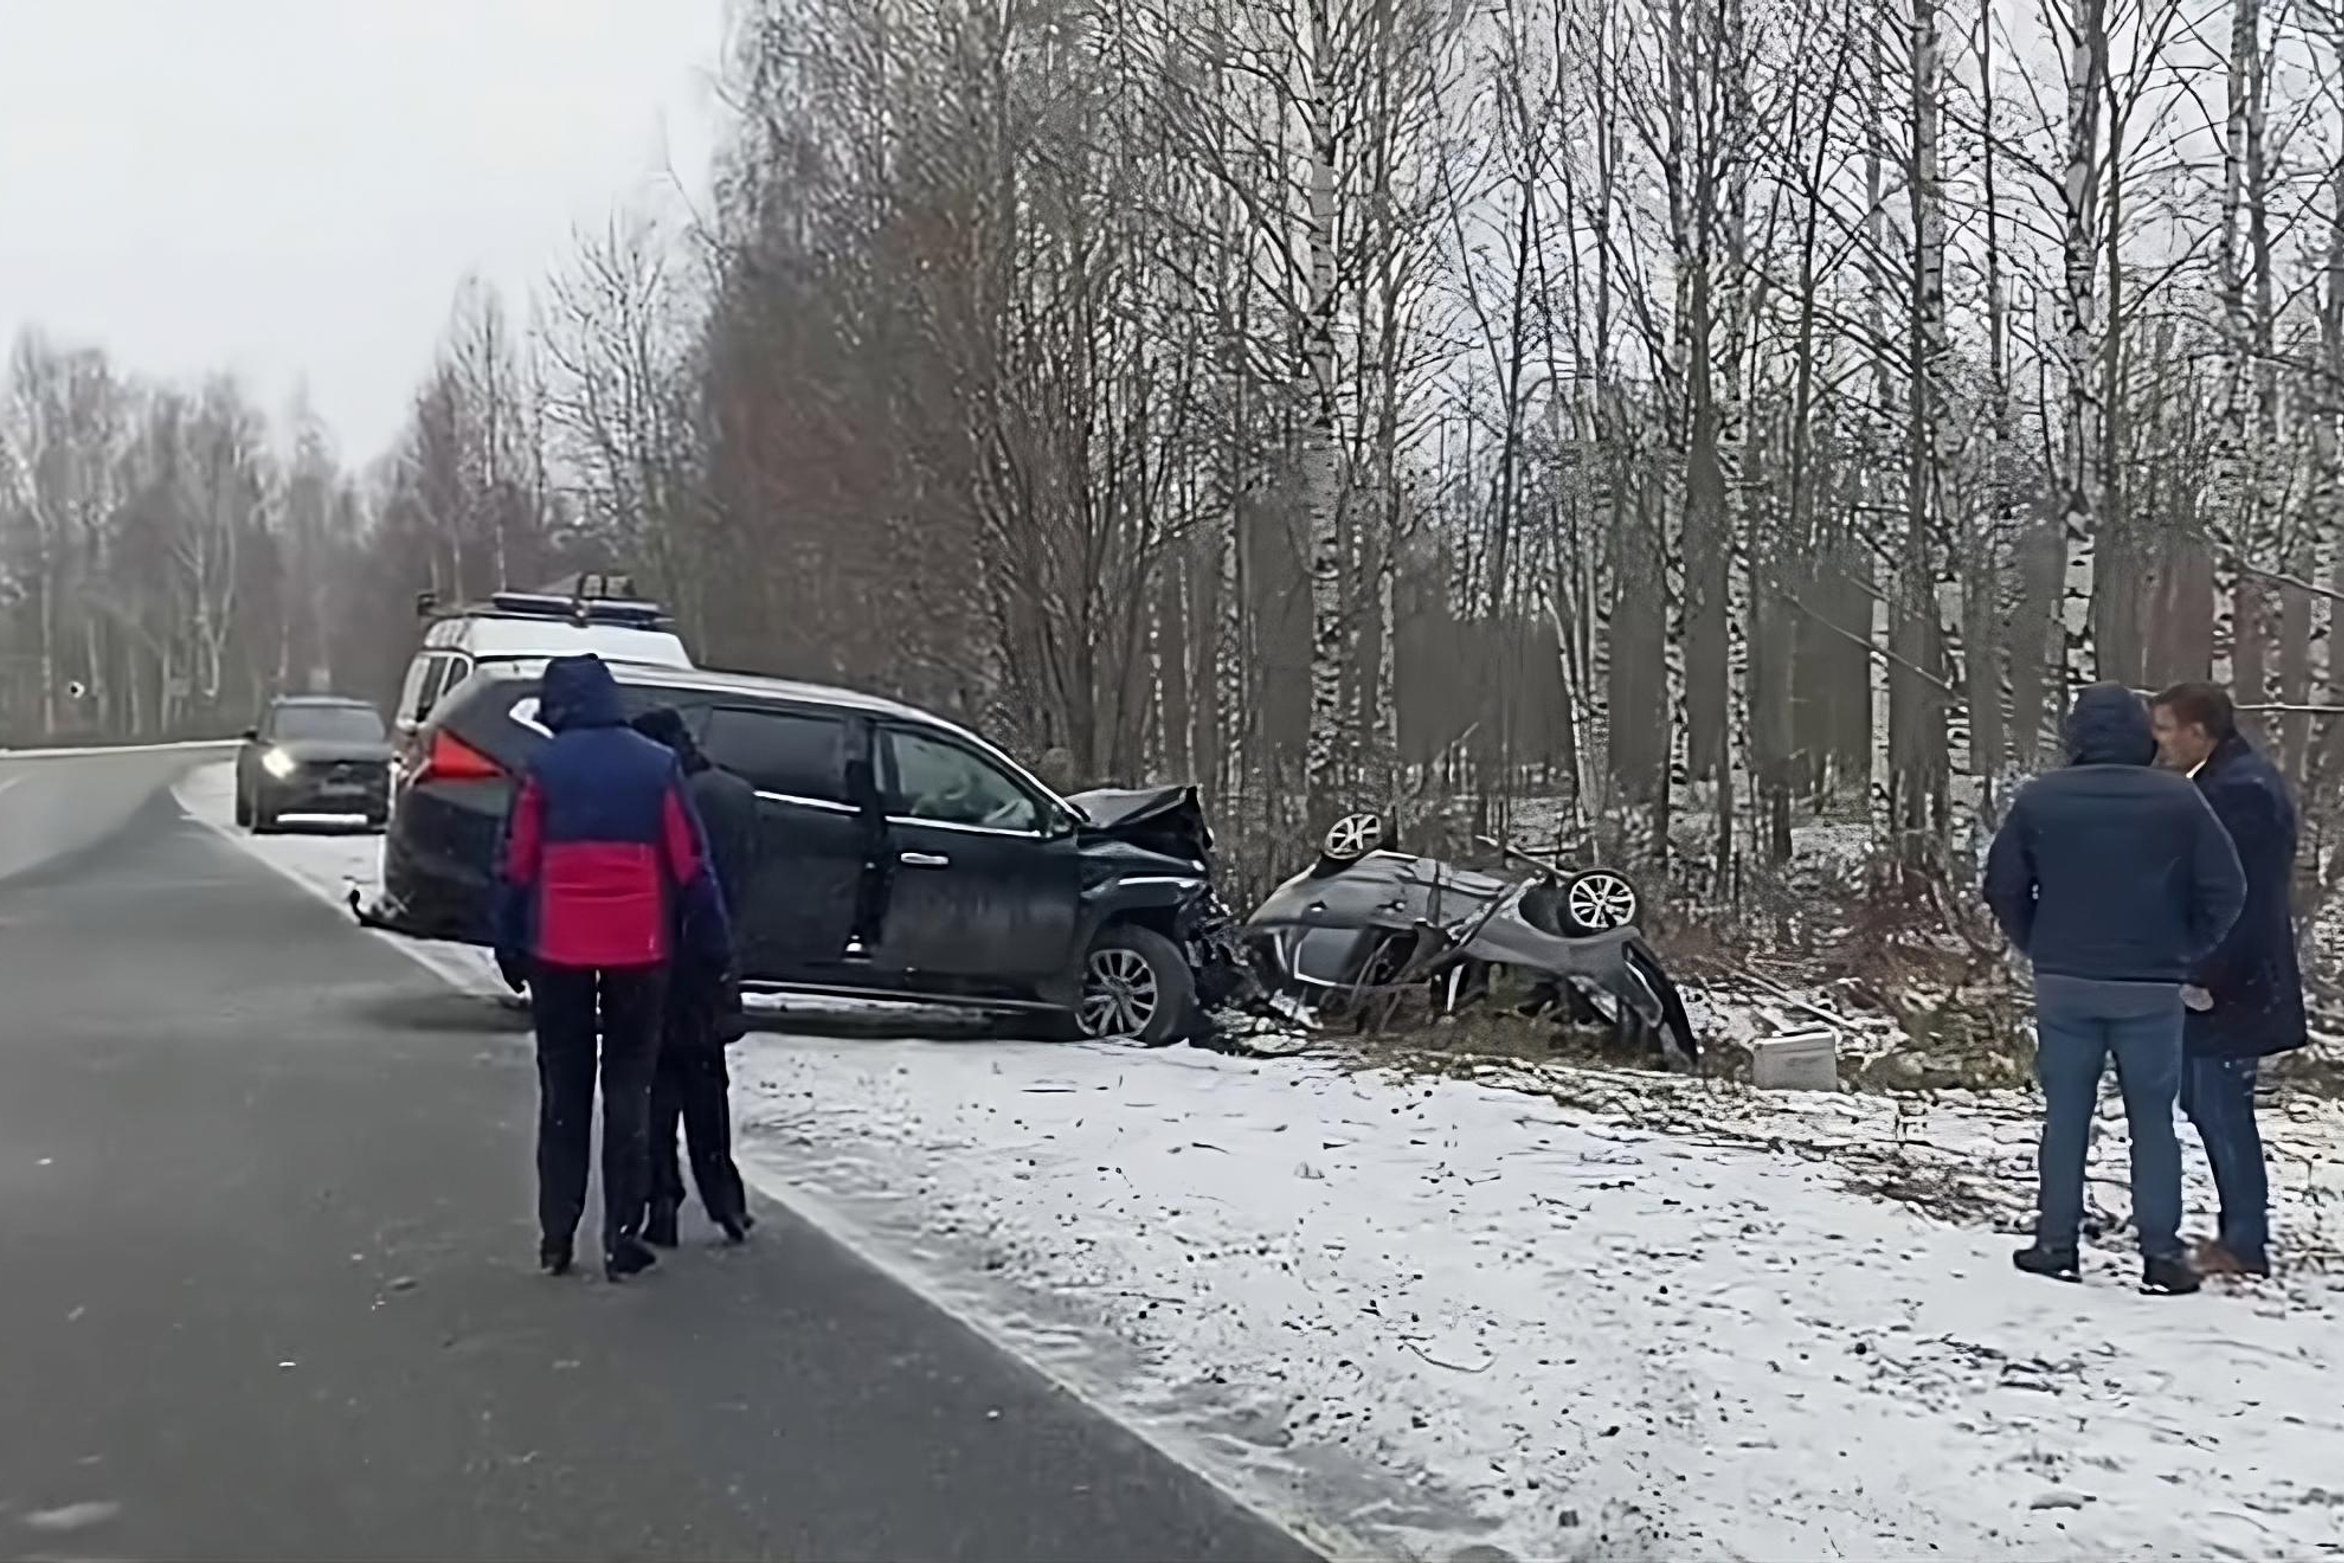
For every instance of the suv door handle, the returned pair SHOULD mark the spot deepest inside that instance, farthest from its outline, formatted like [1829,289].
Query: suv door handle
[925,860]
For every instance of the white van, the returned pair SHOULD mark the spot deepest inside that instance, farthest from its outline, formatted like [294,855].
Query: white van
[521,626]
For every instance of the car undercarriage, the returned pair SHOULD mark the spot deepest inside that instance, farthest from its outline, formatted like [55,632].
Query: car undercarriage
[1367,933]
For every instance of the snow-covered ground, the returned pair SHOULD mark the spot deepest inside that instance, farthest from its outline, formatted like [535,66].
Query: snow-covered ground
[1567,1313]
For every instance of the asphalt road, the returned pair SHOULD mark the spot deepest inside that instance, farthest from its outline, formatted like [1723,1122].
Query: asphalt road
[267,1289]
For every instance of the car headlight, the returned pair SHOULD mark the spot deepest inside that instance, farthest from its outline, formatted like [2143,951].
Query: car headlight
[279,764]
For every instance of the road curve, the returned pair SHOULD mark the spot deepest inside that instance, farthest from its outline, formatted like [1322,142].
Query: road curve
[264,1187]
[55,803]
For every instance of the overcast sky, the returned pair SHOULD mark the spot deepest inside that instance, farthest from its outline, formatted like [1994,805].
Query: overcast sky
[293,188]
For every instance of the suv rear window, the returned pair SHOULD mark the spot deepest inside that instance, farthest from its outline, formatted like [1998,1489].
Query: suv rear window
[634,699]
[797,754]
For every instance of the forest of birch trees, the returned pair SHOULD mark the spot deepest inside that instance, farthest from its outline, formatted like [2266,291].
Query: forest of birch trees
[1652,426]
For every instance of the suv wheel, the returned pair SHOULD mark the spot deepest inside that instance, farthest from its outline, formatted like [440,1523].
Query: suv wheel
[243,808]
[1136,987]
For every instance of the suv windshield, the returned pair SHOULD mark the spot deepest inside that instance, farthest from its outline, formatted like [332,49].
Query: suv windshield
[329,724]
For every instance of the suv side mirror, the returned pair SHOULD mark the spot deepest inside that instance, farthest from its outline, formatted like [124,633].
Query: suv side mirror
[1064,822]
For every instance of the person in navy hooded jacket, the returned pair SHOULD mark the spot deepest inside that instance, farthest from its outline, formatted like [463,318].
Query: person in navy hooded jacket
[2114,879]
[604,866]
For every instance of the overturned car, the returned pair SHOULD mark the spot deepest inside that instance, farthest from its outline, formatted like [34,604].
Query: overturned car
[1366,925]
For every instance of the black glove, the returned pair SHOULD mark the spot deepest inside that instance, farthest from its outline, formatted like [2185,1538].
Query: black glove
[514,970]
[732,1017]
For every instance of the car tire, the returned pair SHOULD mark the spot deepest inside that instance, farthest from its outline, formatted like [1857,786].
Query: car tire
[1136,987]
[378,820]
[1598,900]
[264,821]
[1353,837]
[243,809]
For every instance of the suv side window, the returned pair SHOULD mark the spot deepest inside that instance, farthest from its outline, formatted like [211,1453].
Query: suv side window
[938,782]
[794,754]
[411,691]
[442,671]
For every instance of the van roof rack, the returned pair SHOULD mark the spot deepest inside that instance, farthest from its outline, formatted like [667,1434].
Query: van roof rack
[586,598]
[580,610]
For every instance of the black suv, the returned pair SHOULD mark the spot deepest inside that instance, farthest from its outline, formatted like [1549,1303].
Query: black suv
[314,754]
[902,856]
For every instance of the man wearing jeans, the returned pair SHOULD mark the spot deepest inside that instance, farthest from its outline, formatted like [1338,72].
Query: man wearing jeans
[2245,999]
[2114,879]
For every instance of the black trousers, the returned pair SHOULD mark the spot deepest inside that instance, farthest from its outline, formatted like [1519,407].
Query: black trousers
[690,1086]
[584,1014]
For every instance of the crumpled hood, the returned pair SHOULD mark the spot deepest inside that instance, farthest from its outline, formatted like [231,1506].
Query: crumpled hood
[2109,725]
[1165,820]
[579,692]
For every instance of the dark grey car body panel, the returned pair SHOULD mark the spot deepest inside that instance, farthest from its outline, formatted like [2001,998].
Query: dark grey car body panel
[1322,931]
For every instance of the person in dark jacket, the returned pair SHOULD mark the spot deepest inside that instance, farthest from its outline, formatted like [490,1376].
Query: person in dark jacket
[690,1085]
[2114,879]
[603,862]
[2245,999]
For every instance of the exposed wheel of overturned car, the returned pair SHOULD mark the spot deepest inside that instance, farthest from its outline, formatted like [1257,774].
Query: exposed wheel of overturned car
[1353,837]
[1597,900]
[1136,987]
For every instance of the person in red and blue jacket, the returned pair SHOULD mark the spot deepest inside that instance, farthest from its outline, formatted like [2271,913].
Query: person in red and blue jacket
[603,873]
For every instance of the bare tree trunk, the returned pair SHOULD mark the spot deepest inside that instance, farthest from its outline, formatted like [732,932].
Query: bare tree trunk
[2087,75]
[1324,501]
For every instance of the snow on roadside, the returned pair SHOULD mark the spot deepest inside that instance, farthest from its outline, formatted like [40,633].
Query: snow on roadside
[1561,1336]
[1566,1313]
[1958,1155]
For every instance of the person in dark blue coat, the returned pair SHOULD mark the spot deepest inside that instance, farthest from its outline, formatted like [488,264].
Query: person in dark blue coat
[2245,999]
[2114,879]
[690,1087]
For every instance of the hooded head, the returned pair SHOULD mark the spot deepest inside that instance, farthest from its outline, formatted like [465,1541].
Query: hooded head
[2109,725]
[664,726]
[579,692]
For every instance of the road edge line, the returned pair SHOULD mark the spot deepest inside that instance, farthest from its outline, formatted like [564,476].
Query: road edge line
[422,954]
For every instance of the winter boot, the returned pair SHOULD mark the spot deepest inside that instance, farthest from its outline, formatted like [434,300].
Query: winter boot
[627,1255]
[659,1225]
[554,1256]
[2214,1257]
[2057,1262]
[2169,1276]
[737,1224]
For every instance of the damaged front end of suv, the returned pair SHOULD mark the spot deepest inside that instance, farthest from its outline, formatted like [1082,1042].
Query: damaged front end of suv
[1148,867]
